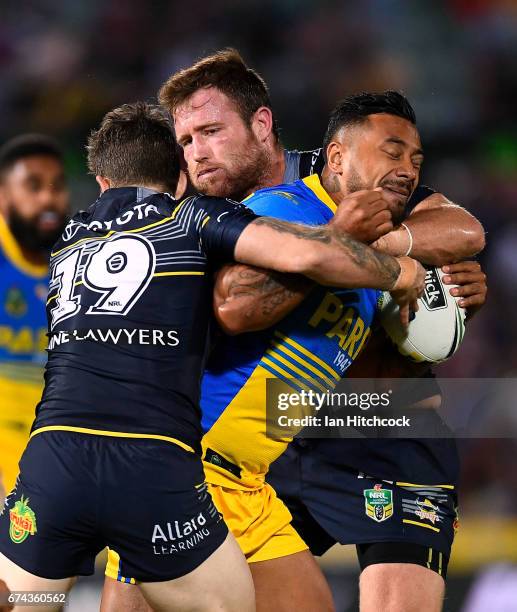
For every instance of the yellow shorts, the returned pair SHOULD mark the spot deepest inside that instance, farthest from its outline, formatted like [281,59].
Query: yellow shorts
[17,406]
[259,520]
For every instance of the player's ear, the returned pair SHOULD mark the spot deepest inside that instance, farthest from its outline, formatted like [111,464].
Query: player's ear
[335,157]
[262,123]
[182,185]
[103,182]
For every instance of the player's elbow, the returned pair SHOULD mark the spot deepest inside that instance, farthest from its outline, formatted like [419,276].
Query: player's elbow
[471,234]
[466,240]
[231,321]
[471,238]
[477,238]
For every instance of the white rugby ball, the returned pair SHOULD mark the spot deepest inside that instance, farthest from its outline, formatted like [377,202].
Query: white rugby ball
[438,327]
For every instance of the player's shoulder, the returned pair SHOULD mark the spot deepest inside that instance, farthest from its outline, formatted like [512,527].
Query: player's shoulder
[288,201]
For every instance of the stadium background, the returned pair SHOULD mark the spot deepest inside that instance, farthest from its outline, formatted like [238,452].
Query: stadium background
[62,65]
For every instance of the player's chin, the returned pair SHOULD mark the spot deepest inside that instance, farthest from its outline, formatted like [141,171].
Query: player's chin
[212,186]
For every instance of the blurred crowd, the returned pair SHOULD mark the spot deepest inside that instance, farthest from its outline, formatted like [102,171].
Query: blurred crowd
[63,64]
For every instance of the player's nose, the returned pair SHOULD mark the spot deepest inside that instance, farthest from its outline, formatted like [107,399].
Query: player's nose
[200,150]
[46,198]
[407,170]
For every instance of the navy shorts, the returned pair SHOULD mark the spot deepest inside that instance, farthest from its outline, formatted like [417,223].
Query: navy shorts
[78,493]
[334,504]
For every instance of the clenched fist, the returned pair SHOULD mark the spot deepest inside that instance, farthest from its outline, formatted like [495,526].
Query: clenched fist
[365,215]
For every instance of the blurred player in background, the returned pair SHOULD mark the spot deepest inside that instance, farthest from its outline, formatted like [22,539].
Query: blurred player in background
[231,144]
[34,204]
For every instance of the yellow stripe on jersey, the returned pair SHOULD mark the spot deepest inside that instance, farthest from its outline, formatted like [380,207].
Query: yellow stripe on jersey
[420,524]
[297,359]
[276,367]
[290,365]
[309,354]
[112,434]
[183,273]
[430,558]
[424,486]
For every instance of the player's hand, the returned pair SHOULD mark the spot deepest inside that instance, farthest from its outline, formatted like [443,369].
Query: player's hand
[4,607]
[365,215]
[408,288]
[472,284]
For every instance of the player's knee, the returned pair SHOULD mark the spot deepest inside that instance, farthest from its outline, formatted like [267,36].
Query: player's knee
[119,597]
[400,587]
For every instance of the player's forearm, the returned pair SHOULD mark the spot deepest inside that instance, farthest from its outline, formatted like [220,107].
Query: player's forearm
[321,253]
[437,234]
[249,299]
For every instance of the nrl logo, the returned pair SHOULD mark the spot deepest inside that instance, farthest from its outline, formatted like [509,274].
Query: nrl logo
[23,521]
[378,503]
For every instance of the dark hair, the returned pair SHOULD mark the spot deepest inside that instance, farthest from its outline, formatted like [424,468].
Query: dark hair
[226,71]
[355,109]
[27,145]
[135,145]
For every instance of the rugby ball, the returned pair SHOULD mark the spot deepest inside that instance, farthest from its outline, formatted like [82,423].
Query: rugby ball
[437,329]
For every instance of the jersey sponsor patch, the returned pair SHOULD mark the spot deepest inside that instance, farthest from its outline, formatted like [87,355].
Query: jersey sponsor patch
[22,521]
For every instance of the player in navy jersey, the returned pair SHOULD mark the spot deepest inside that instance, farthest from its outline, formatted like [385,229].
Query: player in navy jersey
[113,455]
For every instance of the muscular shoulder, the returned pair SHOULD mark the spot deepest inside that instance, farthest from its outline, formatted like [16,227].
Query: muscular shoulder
[289,202]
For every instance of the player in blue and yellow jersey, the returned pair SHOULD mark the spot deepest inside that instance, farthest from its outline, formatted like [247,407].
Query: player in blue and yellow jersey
[33,209]
[316,344]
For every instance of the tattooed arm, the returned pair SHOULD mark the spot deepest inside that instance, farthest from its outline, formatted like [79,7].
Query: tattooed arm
[329,257]
[321,253]
[248,299]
